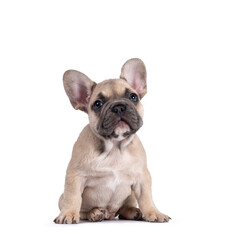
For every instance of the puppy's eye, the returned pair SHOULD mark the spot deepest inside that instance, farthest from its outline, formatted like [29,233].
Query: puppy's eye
[133,97]
[97,105]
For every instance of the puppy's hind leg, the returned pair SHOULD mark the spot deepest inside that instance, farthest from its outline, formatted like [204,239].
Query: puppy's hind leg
[129,210]
[96,215]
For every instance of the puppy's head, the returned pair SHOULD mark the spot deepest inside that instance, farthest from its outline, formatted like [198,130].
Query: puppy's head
[113,106]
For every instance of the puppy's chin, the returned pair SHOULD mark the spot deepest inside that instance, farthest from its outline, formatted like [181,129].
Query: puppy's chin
[121,130]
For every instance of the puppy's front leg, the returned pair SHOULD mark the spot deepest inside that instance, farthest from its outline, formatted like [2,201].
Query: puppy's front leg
[71,199]
[143,194]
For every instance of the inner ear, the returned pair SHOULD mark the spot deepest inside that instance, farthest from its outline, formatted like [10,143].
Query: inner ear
[134,72]
[78,88]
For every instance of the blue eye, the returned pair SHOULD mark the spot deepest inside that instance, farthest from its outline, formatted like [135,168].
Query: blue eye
[97,105]
[133,97]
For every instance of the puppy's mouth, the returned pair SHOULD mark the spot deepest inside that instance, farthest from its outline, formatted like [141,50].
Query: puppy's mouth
[121,127]
[122,124]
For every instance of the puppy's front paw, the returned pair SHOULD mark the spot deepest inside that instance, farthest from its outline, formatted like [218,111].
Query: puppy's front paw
[67,217]
[155,216]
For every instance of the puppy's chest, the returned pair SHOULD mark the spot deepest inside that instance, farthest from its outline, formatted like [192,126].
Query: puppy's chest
[112,171]
[110,180]
[107,189]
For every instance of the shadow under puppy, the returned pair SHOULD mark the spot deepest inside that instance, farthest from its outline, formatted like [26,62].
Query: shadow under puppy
[107,175]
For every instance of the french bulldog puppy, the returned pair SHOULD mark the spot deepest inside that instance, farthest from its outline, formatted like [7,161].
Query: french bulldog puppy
[107,175]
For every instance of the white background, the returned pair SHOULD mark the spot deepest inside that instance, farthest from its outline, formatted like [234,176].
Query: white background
[191,127]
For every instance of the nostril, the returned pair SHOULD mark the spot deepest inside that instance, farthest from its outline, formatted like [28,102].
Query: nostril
[123,108]
[115,110]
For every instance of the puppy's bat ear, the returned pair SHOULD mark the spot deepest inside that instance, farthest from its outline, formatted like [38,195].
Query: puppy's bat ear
[78,88]
[134,72]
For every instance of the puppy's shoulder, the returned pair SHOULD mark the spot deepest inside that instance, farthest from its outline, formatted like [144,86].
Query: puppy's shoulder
[87,144]
[136,144]
[136,149]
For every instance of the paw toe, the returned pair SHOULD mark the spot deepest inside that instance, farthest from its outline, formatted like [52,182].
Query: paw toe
[156,217]
[138,215]
[67,218]
[96,215]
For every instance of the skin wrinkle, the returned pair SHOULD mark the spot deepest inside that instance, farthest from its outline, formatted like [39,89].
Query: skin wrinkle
[102,98]
[101,146]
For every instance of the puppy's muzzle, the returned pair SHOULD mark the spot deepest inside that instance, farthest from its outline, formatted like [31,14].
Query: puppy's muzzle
[116,111]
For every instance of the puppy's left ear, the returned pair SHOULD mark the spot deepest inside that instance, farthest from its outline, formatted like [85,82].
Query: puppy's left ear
[134,72]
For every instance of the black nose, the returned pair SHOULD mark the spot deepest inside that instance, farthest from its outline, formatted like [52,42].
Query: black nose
[119,109]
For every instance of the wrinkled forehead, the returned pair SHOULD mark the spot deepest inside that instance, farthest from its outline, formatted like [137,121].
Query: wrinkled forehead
[111,88]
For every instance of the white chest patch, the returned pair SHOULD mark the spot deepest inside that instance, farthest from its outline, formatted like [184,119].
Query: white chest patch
[115,180]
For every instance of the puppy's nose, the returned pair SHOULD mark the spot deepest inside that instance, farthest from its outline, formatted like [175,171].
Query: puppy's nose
[119,109]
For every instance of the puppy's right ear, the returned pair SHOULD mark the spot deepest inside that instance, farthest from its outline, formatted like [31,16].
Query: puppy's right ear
[78,88]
